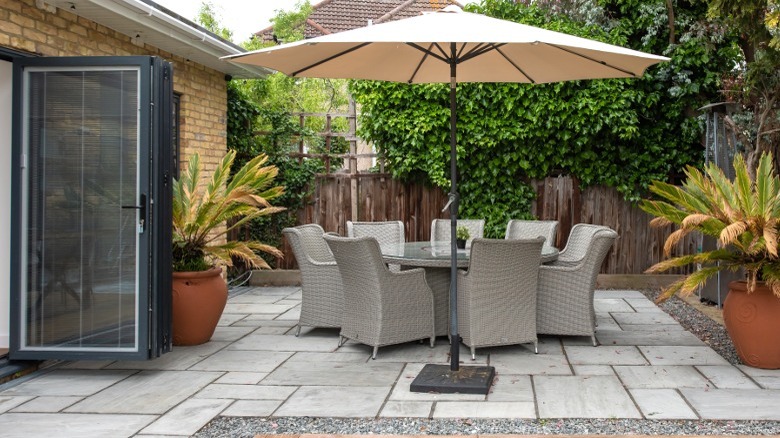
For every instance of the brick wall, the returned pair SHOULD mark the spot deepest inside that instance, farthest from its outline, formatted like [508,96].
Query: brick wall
[203,117]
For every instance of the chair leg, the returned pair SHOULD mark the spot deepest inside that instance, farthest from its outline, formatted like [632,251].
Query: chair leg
[433,341]
[593,338]
[536,347]
[376,349]
[342,340]
[298,332]
[473,353]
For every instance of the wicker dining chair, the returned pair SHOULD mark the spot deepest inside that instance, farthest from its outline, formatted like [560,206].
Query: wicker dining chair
[322,294]
[441,232]
[386,233]
[497,295]
[525,229]
[382,307]
[566,286]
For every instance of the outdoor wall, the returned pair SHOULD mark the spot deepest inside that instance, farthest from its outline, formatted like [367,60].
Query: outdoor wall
[203,113]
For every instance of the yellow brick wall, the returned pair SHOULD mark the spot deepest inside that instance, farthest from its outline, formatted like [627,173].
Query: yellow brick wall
[203,117]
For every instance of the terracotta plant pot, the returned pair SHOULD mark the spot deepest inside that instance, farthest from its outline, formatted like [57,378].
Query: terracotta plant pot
[753,322]
[198,301]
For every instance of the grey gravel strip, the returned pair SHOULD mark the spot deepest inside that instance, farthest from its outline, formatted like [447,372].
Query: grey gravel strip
[689,317]
[250,426]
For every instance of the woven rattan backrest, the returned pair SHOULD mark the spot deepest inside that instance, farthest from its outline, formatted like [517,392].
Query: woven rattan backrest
[520,229]
[307,243]
[581,242]
[440,229]
[362,269]
[388,232]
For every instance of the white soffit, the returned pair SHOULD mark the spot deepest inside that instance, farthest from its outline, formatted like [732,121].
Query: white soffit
[146,22]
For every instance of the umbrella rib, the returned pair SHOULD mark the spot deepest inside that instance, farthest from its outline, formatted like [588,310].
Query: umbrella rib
[422,61]
[330,58]
[630,73]
[429,51]
[522,72]
[480,49]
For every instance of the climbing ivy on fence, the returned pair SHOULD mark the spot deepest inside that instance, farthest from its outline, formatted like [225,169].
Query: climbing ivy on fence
[621,133]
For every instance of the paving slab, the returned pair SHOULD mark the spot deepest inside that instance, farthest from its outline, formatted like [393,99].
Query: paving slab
[652,328]
[180,358]
[245,392]
[466,409]
[334,401]
[347,374]
[45,404]
[641,303]
[727,377]
[593,370]
[148,392]
[230,334]
[339,356]
[644,318]
[618,293]
[583,397]
[513,388]
[662,404]
[256,308]
[648,337]
[768,382]
[530,363]
[187,418]
[611,305]
[286,343]
[27,425]
[604,355]
[657,376]
[411,409]
[682,355]
[242,360]
[78,383]
[415,352]
[241,378]
[734,404]
[293,314]
[252,408]
[8,402]
[228,319]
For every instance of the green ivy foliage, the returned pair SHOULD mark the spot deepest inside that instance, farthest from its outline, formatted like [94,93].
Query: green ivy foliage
[244,120]
[622,133]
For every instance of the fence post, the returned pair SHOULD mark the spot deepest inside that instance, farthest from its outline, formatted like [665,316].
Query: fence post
[353,180]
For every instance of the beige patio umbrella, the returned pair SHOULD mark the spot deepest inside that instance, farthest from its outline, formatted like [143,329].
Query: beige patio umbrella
[452,46]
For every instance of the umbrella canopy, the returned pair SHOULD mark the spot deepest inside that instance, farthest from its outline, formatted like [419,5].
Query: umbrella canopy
[452,46]
[417,50]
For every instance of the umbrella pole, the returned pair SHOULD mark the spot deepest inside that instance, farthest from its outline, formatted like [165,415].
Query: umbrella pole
[456,379]
[454,201]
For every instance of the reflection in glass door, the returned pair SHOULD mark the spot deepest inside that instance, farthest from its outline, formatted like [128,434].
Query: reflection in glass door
[85,282]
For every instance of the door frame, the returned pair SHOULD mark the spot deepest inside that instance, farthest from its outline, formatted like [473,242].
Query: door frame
[153,288]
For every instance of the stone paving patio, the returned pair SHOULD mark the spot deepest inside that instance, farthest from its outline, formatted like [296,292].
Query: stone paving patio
[646,366]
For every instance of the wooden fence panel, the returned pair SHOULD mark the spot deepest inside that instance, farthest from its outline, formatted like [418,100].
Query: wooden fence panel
[382,198]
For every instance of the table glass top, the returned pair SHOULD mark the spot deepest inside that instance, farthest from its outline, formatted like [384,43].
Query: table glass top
[438,253]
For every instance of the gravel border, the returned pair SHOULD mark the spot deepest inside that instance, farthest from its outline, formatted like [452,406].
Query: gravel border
[709,331]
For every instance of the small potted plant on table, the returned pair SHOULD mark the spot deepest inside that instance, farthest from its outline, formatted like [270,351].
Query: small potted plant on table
[461,236]
[744,216]
[204,211]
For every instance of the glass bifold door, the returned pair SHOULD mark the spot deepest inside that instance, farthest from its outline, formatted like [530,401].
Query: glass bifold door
[91,210]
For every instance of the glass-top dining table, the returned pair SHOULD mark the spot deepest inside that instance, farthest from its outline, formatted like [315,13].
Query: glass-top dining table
[435,258]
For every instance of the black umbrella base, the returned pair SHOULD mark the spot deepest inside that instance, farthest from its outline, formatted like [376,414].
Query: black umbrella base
[467,380]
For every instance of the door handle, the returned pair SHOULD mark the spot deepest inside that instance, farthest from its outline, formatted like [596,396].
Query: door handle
[141,213]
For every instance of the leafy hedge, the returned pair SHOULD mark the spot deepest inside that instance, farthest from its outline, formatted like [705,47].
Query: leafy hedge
[619,132]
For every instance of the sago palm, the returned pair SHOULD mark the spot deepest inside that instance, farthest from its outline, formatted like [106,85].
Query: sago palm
[741,214]
[204,211]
